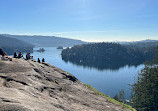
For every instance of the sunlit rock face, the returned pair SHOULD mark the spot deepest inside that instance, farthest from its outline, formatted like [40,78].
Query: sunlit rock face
[32,86]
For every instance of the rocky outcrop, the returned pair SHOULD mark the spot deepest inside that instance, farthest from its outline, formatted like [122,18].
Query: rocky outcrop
[31,86]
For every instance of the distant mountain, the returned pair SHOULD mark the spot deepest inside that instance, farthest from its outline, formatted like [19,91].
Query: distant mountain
[147,40]
[48,41]
[145,43]
[12,42]
[142,43]
[11,45]
[125,42]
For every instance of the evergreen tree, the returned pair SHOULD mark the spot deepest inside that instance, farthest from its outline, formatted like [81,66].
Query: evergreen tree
[145,90]
[120,96]
[156,56]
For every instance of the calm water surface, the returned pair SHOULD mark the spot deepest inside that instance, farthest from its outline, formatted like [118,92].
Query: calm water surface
[106,81]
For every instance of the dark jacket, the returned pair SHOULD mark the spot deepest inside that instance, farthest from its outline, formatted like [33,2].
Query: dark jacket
[1,52]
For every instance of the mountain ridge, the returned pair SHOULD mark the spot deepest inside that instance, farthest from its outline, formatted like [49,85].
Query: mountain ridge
[46,41]
[13,42]
[11,45]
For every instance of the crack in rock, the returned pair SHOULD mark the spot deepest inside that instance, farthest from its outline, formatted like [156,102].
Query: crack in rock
[11,79]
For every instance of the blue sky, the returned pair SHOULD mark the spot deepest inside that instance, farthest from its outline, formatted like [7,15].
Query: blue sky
[89,20]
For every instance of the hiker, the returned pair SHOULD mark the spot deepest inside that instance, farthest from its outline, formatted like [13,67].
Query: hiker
[15,55]
[1,51]
[20,55]
[28,56]
[38,60]
[43,60]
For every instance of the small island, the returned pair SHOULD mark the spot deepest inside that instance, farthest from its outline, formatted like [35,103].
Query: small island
[41,50]
[60,47]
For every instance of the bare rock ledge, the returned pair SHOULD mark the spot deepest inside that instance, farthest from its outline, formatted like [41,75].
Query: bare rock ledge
[31,86]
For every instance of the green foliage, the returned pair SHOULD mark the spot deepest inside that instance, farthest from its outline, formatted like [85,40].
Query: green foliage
[155,61]
[145,90]
[120,96]
[96,52]
[129,108]
[116,97]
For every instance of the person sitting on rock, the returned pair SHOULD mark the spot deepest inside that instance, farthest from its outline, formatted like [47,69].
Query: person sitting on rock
[15,55]
[28,56]
[38,60]
[1,51]
[43,60]
[20,55]
[3,56]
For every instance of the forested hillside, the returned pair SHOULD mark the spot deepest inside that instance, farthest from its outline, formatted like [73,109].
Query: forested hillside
[11,45]
[109,53]
[46,41]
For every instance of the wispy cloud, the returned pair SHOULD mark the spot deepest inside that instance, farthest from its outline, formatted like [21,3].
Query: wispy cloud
[66,32]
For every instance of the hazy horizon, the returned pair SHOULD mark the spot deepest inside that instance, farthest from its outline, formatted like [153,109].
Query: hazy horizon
[80,39]
[86,20]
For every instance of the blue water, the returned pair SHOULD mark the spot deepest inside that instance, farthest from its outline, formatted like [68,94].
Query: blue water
[106,81]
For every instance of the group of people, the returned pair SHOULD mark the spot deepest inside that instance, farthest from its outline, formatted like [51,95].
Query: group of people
[20,55]
[28,56]
[38,60]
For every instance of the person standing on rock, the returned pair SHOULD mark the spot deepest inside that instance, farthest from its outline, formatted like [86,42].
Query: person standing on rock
[43,60]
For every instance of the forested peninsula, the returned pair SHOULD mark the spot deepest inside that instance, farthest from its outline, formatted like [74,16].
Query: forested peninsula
[105,53]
